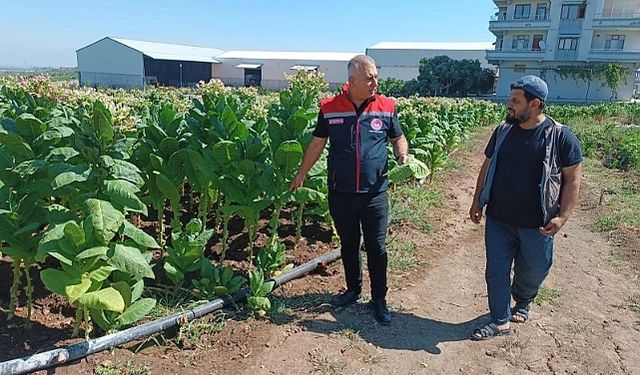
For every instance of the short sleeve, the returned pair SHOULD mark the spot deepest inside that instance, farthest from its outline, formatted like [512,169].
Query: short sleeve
[570,153]
[321,130]
[394,130]
[491,146]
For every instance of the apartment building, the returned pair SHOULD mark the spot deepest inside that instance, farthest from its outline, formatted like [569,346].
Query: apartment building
[536,37]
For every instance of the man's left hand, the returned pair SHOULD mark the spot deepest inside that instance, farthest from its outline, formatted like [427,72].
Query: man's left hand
[402,159]
[553,226]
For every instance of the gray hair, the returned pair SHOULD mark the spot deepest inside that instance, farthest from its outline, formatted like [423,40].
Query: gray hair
[357,62]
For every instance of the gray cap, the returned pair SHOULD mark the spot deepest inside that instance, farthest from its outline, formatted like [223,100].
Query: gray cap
[533,85]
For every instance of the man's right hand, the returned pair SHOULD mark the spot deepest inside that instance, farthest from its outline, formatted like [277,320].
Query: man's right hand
[297,182]
[475,213]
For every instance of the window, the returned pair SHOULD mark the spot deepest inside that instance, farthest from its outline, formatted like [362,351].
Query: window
[620,8]
[501,15]
[541,12]
[632,8]
[615,42]
[572,11]
[520,42]
[522,12]
[568,44]
[252,77]
[520,68]
[535,46]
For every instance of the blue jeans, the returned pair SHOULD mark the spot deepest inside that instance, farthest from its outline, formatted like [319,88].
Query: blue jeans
[531,254]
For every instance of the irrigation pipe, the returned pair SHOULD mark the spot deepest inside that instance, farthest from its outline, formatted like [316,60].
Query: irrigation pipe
[70,353]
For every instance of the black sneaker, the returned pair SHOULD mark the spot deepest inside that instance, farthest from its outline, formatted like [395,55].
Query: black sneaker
[345,299]
[380,311]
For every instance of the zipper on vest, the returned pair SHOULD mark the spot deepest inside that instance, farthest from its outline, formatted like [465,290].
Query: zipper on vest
[334,180]
[357,153]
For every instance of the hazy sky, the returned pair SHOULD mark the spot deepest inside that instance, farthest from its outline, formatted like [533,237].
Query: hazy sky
[47,32]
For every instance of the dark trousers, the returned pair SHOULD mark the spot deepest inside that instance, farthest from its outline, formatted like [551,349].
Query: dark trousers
[531,255]
[369,211]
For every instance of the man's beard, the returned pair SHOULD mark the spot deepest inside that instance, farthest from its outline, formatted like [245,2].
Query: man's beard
[513,120]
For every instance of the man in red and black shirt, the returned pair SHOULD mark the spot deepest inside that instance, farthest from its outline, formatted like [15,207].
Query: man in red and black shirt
[358,124]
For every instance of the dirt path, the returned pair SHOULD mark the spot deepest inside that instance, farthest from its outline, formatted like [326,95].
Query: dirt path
[584,327]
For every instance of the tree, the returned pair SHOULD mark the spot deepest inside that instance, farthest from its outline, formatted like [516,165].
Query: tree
[391,87]
[443,76]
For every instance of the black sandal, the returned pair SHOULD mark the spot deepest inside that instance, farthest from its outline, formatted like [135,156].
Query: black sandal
[488,331]
[520,314]
[519,317]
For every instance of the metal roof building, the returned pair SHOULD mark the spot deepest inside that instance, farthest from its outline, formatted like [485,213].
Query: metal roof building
[268,68]
[401,59]
[116,62]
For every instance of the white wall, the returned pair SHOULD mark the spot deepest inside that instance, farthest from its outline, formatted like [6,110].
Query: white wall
[110,63]
[403,73]
[403,63]
[562,90]
[631,40]
[273,71]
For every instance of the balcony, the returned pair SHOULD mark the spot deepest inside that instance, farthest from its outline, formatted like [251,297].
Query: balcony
[622,21]
[499,23]
[618,55]
[570,26]
[515,54]
[566,55]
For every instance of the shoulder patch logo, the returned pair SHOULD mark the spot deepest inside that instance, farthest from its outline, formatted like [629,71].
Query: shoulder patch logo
[376,124]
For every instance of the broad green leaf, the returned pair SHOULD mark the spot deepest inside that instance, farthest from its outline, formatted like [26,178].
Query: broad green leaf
[74,234]
[125,291]
[29,167]
[62,154]
[76,173]
[101,273]
[136,290]
[16,252]
[16,147]
[247,167]
[123,170]
[98,317]
[131,261]
[173,272]
[168,146]
[123,193]
[30,126]
[168,188]
[156,162]
[29,228]
[305,194]
[75,291]
[105,219]
[63,257]
[56,280]
[139,236]
[48,136]
[104,299]
[225,152]
[106,161]
[92,252]
[289,155]
[268,286]
[413,168]
[136,311]
[102,121]
[49,241]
